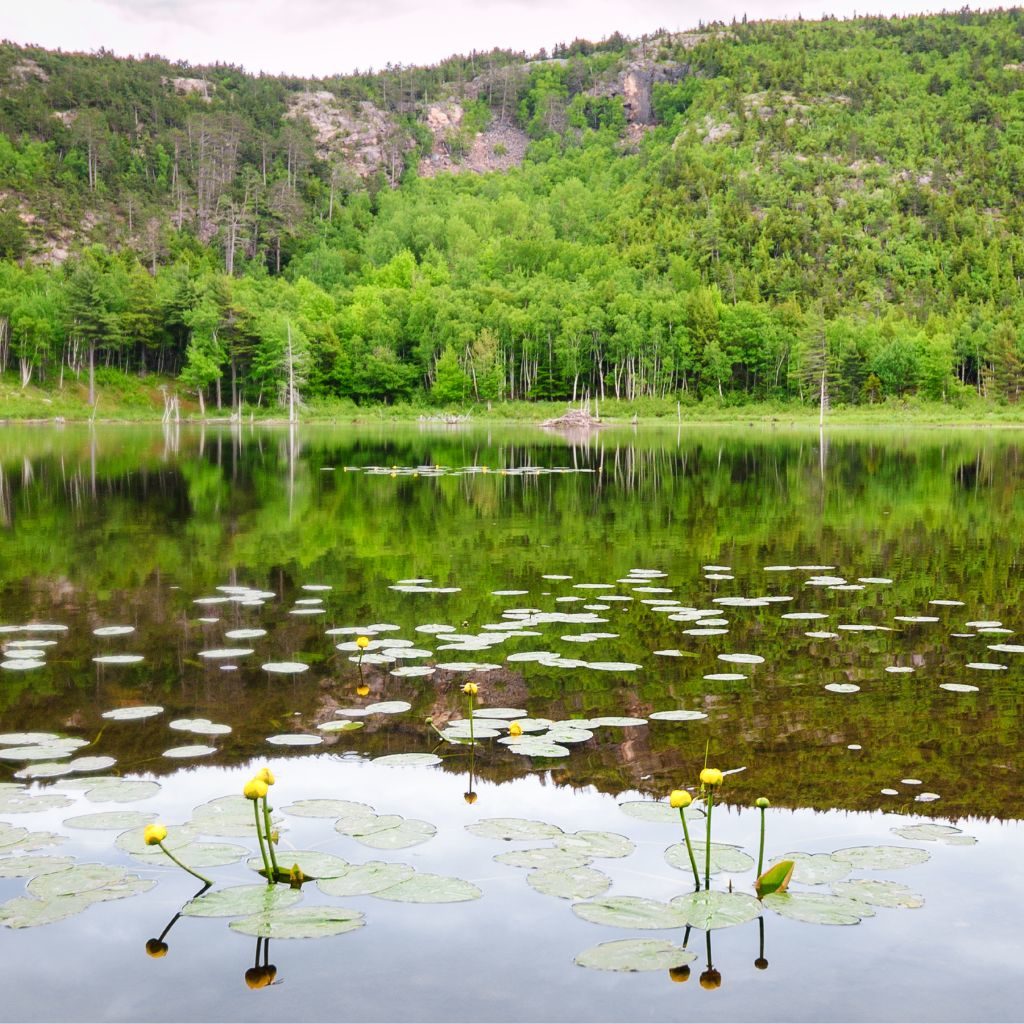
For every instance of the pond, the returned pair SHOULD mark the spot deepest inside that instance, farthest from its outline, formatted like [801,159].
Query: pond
[833,622]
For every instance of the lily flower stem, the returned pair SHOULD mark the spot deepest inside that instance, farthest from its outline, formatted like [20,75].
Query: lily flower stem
[271,877]
[760,850]
[689,848]
[472,740]
[707,845]
[270,834]
[185,867]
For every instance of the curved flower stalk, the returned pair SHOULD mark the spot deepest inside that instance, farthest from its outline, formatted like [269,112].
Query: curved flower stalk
[154,835]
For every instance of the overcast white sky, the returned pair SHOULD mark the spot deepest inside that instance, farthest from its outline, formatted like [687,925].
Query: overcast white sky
[320,37]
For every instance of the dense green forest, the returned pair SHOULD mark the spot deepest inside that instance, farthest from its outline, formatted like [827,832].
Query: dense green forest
[798,200]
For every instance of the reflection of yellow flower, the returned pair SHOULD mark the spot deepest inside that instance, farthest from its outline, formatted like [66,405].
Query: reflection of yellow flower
[362,689]
[679,799]
[156,949]
[471,688]
[469,797]
[265,775]
[711,979]
[154,835]
[515,729]
[680,974]
[362,642]
[254,789]
[260,977]
[711,777]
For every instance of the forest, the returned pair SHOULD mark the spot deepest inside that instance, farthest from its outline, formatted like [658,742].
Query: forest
[807,201]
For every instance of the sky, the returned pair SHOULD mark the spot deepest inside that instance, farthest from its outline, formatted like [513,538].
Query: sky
[324,37]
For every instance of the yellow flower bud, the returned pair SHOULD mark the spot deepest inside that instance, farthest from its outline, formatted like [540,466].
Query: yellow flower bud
[154,835]
[362,642]
[711,777]
[762,802]
[515,729]
[254,789]
[265,775]
[679,799]
[156,949]
[362,690]
[471,688]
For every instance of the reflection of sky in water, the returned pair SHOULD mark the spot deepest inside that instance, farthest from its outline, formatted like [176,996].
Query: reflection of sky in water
[509,956]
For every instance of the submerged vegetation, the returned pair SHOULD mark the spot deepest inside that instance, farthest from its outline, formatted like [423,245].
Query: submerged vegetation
[800,202]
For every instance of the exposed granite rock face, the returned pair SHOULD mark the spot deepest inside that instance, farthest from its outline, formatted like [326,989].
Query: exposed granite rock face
[636,87]
[498,147]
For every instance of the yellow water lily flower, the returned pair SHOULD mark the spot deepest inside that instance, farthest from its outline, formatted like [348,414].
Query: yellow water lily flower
[711,777]
[362,690]
[254,789]
[362,642]
[154,835]
[679,798]
[265,775]
[471,688]
[515,729]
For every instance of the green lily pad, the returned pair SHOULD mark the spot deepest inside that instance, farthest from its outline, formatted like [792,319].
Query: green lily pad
[842,687]
[656,812]
[507,713]
[878,893]
[730,859]
[931,832]
[635,955]
[44,770]
[710,909]
[92,764]
[300,923]
[329,809]
[388,707]
[340,725]
[630,912]
[199,726]
[581,883]
[242,900]
[410,832]
[24,802]
[196,750]
[529,746]
[614,721]
[195,855]
[314,863]
[225,816]
[118,659]
[75,880]
[133,713]
[19,739]
[26,912]
[817,908]
[427,888]
[816,868]
[120,791]
[28,867]
[596,844]
[360,824]
[881,858]
[513,829]
[295,739]
[366,879]
[134,842]
[12,839]
[547,857]
[103,820]
[681,715]
[416,760]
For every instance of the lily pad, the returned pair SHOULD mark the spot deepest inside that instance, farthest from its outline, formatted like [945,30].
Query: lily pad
[410,832]
[196,855]
[222,653]
[547,857]
[931,832]
[133,713]
[630,912]
[241,900]
[134,842]
[295,739]
[513,829]
[26,866]
[656,812]
[712,909]
[681,715]
[224,816]
[26,912]
[881,858]
[580,883]
[414,760]
[21,801]
[878,893]
[816,868]
[596,844]
[818,908]
[104,820]
[428,888]
[613,721]
[730,859]
[328,809]
[195,750]
[314,863]
[366,879]
[300,923]
[73,881]
[200,726]
[388,707]
[634,955]
[842,687]
[742,659]
[119,659]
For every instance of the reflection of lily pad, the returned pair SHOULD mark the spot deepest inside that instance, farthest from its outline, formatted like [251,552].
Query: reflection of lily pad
[878,893]
[513,829]
[723,858]
[630,912]
[427,888]
[818,908]
[635,955]
[711,909]
[300,923]
[881,858]
[242,900]
[366,879]
[581,883]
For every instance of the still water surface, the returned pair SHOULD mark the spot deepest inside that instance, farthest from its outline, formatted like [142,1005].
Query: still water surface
[130,527]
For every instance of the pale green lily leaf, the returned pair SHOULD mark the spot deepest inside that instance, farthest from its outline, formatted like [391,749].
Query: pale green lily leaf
[313,863]
[295,739]
[24,802]
[614,721]
[681,715]
[199,726]
[360,824]
[881,858]
[710,909]
[427,888]
[133,713]
[730,859]
[529,746]
[226,816]
[416,760]
[300,923]
[635,955]
[658,812]
[507,713]
[120,791]
[20,739]
[388,707]
[340,725]
[596,844]
[242,900]
[931,832]
[410,832]
[195,855]
[28,867]
[26,912]
[329,809]
[24,840]
[103,820]
[44,770]
[878,893]
[366,879]
[134,841]
[73,881]
[548,857]
[816,868]
[581,883]
[195,750]
[817,908]
[513,829]
[630,912]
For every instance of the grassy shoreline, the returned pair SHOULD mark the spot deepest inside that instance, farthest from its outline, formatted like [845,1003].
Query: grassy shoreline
[129,399]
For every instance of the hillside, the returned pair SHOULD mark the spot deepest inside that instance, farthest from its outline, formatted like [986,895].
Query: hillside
[725,214]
